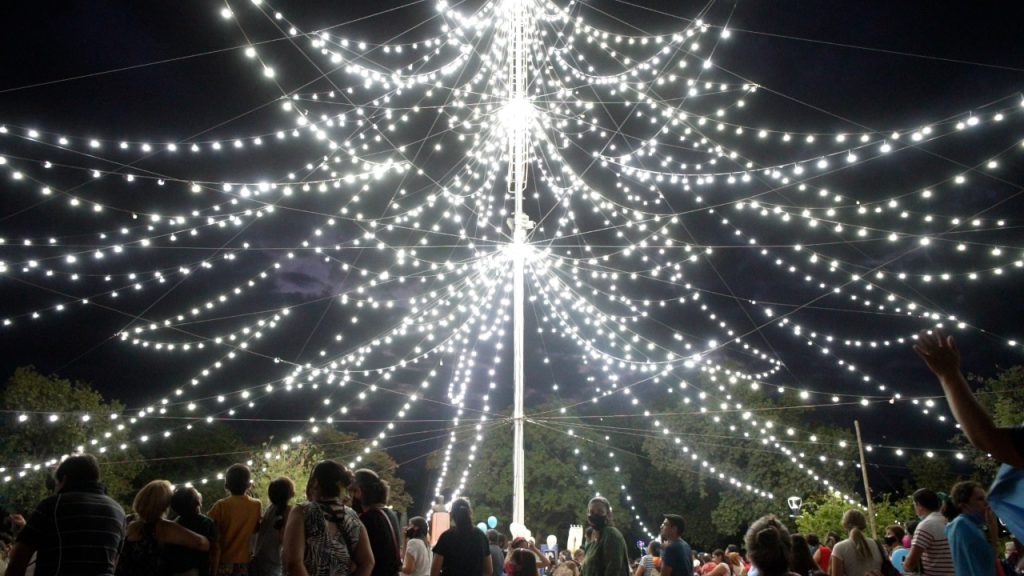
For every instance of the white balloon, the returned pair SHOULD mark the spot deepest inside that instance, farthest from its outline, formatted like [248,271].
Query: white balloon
[552,541]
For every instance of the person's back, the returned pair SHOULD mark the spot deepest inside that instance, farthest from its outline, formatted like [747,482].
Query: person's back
[236,517]
[497,555]
[332,532]
[930,537]
[381,527]
[858,563]
[77,531]
[179,559]
[369,495]
[463,551]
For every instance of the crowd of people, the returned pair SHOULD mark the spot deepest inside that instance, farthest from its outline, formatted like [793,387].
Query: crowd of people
[344,527]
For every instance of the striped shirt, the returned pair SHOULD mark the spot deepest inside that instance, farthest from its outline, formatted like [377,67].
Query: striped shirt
[930,537]
[78,531]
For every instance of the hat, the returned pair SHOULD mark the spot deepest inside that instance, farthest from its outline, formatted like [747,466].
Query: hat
[677,521]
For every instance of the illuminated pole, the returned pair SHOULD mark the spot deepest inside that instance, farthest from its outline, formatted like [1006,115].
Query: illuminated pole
[517,123]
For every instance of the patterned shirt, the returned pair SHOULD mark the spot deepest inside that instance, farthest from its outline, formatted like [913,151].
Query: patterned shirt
[329,549]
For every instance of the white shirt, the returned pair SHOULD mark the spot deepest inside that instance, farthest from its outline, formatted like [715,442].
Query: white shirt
[420,555]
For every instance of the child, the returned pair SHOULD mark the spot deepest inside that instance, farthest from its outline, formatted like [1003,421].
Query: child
[187,503]
[236,518]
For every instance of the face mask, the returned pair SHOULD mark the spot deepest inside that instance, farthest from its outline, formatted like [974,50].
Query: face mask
[889,540]
[598,522]
[357,504]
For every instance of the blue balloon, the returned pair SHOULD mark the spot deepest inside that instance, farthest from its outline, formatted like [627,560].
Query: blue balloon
[897,559]
[492,521]
[481,526]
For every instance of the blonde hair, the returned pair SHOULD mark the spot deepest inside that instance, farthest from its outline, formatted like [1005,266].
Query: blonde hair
[152,501]
[855,523]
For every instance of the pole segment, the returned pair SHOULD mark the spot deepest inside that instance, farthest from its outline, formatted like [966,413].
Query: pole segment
[518,134]
[864,476]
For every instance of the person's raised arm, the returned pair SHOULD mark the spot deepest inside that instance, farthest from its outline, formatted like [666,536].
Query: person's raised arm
[542,559]
[293,545]
[940,354]
[363,556]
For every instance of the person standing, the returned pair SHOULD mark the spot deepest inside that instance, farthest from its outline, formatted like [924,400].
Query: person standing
[323,537]
[857,555]
[966,509]
[650,563]
[179,560]
[497,556]
[417,553]
[266,558]
[462,550]
[78,530]
[369,495]
[237,518]
[147,539]
[676,554]
[929,549]
[769,547]
[605,551]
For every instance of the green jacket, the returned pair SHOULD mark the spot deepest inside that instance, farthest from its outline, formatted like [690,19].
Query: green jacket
[607,555]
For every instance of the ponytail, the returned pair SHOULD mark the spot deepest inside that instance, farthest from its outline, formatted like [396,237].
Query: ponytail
[959,495]
[462,515]
[854,521]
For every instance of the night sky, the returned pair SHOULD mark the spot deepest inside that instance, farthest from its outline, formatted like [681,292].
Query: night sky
[159,72]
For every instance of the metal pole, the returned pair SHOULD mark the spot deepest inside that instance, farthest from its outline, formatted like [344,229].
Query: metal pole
[864,475]
[517,135]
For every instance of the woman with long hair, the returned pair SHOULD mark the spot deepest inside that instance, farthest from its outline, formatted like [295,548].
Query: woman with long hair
[522,562]
[323,537]
[417,552]
[462,550]
[802,562]
[769,546]
[967,530]
[857,555]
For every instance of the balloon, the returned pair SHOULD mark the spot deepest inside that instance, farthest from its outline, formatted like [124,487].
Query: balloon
[481,526]
[552,541]
[518,530]
[897,559]
[492,521]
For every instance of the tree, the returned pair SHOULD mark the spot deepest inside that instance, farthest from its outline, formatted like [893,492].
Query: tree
[207,449]
[1003,397]
[295,460]
[746,443]
[933,473]
[825,514]
[558,488]
[60,417]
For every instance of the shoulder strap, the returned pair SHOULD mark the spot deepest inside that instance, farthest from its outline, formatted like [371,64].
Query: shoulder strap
[394,534]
